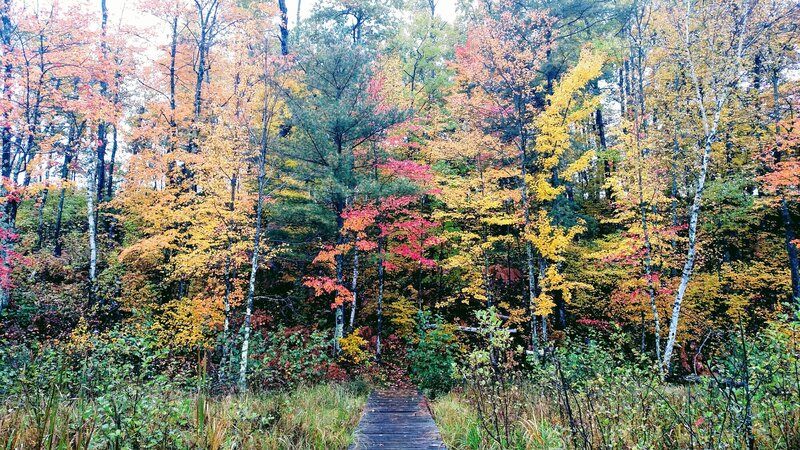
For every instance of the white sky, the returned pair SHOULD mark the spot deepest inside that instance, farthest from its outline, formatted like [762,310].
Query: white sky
[446,9]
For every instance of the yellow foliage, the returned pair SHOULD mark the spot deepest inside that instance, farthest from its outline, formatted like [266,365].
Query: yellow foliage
[80,338]
[550,240]
[402,314]
[566,106]
[579,164]
[188,323]
[354,348]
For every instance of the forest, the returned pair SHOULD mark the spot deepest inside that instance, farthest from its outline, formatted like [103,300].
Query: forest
[569,224]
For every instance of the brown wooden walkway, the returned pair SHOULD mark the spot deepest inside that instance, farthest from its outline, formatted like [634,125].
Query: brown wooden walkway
[397,420]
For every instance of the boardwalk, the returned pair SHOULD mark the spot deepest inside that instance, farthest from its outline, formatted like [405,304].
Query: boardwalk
[396,420]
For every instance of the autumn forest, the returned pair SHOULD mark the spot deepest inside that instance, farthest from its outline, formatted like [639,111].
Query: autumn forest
[568,224]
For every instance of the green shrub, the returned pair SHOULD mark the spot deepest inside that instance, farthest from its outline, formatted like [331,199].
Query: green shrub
[432,357]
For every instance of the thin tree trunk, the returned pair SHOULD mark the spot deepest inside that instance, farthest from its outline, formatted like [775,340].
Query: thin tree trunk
[354,288]
[640,127]
[542,272]
[75,132]
[59,215]
[284,27]
[648,271]
[40,214]
[226,301]
[791,250]
[226,310]
[379,326]
[710,124]
[92,221]
[338,312]
[674,185]
[111,163]
[266,117]
[5,143]
[528,246]
[102,143]
[173,52]
[208,21]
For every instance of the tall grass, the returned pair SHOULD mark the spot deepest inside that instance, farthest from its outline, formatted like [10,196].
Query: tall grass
[624,414]
[319,417]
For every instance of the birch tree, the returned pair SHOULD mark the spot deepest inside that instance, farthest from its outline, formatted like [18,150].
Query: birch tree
[713,38]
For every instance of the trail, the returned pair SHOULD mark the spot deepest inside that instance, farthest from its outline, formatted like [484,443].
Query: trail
[397,420]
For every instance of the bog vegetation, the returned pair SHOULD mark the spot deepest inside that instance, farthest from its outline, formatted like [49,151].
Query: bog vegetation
[572,224]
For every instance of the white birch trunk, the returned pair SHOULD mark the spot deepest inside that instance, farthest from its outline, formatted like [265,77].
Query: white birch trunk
[251,286]
[723,81]
[354,287]
[91,218]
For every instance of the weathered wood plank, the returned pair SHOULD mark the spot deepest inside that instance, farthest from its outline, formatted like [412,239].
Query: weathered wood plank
[397,420]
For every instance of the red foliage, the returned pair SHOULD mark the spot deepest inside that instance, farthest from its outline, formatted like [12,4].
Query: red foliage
[326,285]
[411,170]
[507,274]
[335,372]
[597,324]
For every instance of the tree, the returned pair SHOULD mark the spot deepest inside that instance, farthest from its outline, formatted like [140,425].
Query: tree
[335,117]
[714,40]
[499,79]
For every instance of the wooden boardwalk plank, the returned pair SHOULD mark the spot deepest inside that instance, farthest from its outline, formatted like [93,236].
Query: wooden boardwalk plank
[397,420]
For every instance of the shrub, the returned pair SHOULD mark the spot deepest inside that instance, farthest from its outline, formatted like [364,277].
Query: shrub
[354,349]
[287,357]
[432,359]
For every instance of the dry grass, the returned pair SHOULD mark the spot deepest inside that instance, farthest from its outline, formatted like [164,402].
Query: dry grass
[320,417]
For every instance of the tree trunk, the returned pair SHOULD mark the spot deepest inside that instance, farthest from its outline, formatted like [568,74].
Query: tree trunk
[354,288]
[208,21]
[528,247]
[648,271]
[5,142]
[297,21]
[791,250]
[691,253]
[284,27]
[542,272]
[101,127]
[173,52]
[640,129]
[59,215]
[92,222]
[100,170]
[338,313]
[379,326]
[226,298]
[110,185]
[226,310]
[251,286]
[40,224]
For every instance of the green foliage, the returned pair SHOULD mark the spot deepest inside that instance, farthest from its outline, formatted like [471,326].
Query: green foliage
[432,357]
[491,374]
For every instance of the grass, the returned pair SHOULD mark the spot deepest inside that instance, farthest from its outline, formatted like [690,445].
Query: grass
[319,417]
[668,417]
[461,430]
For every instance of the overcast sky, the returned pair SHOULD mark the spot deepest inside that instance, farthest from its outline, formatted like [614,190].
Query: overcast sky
[446,9]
